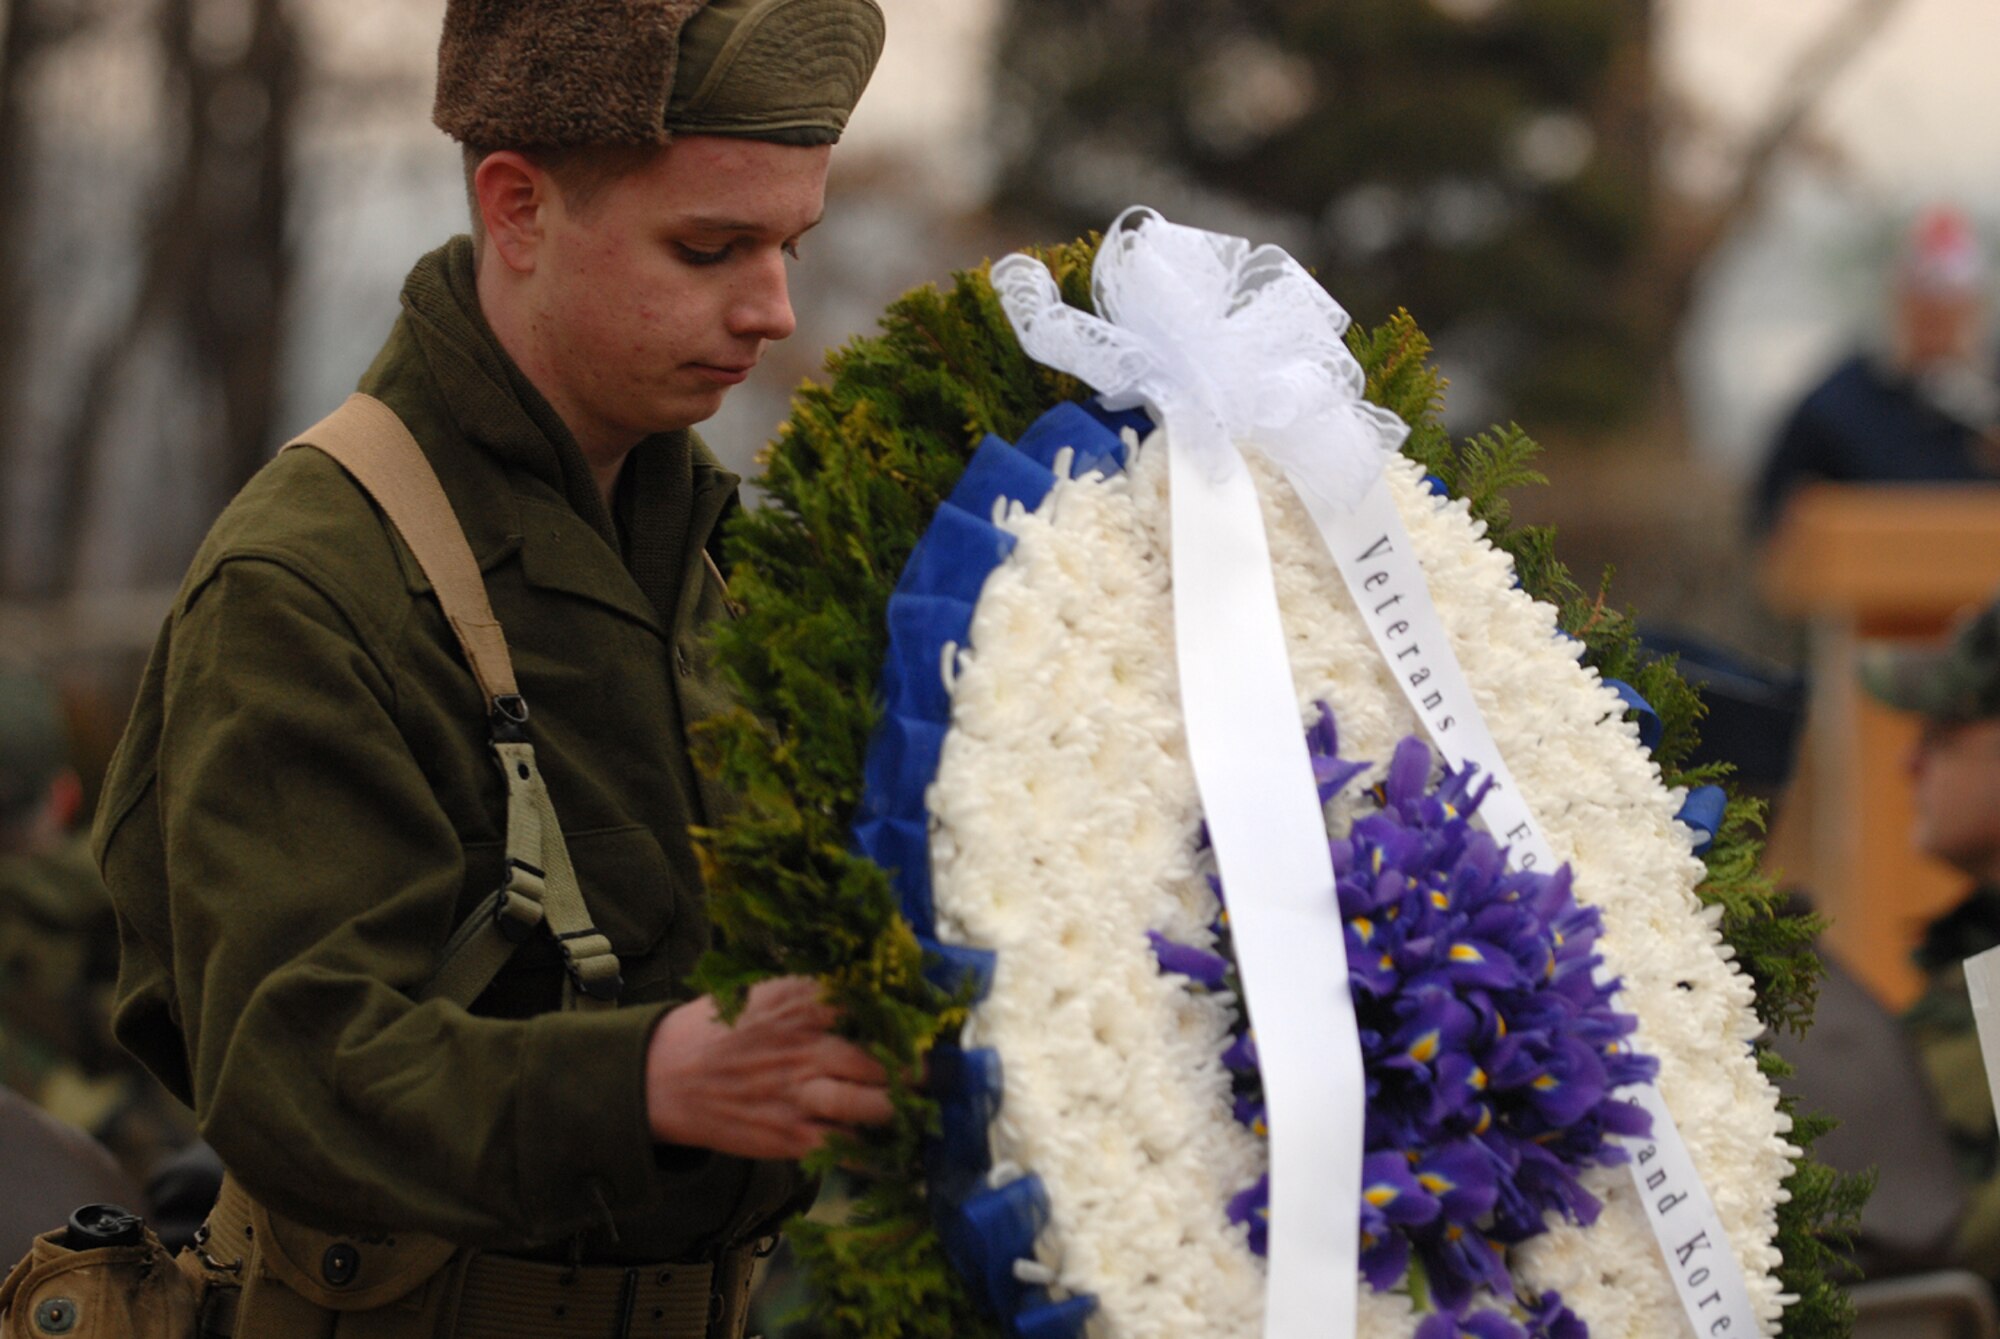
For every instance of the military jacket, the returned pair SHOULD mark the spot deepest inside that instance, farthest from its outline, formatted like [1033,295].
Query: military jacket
[305,806]
[1947,1040]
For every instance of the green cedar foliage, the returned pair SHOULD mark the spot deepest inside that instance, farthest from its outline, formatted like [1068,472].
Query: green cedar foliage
[853,479]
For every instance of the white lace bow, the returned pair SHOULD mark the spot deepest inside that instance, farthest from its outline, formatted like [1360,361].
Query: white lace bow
[1228,345]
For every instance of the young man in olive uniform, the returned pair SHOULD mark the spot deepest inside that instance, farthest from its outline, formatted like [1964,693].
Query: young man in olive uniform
[306,807]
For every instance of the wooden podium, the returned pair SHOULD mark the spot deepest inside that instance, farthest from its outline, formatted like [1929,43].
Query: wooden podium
[1863,564]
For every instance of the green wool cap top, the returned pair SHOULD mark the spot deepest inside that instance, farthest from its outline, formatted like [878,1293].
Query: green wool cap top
[583,73]
[33,746]
[1959,681]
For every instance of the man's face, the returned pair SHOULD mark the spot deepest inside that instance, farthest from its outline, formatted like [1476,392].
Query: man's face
[1955,769]
[656,298]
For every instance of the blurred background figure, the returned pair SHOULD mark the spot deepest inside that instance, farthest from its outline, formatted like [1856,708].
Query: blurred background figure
[1955,767]
[58,945]
[1856,1065]
[1921,406]
[58,964]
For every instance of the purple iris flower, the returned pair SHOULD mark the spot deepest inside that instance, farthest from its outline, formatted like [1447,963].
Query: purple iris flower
[1393,1194]
[1385,1259]
[1628,1118]
[1197,965]
[1253,1206]
[1471,961]
[1409,774]
[1548,1318]
[1392,1200]
[1492,1050]
[1484,1325]
[1547,1182]
[1570,1085]
[1461,1262]
[1241,1054]
[1330,771]
[1464,1177]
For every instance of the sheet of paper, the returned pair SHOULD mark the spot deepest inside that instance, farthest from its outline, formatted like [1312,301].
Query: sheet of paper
[1982,981]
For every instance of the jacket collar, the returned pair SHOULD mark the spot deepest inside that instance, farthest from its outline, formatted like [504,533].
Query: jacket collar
[495,406]
[445,373]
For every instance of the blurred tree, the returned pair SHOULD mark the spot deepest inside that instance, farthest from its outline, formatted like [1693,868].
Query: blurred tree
[1488,164]
[204,316]
[1485,163]
[1686,231]
[28,29]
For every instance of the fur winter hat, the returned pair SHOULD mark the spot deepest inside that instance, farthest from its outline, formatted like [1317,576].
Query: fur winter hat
[571,73]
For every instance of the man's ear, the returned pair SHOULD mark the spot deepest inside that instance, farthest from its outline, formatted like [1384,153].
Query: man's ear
[514,199]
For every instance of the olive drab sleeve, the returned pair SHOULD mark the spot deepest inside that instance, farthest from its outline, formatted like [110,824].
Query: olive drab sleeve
[309,899]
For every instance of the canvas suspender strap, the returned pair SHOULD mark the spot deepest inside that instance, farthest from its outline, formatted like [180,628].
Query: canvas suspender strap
[540,887]
[370,442]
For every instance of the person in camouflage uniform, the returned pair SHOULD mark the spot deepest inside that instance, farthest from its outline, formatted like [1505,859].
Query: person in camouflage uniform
[59,948]
[1955,771]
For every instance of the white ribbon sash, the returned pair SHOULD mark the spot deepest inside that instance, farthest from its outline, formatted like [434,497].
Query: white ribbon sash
[1264,820]
[1244,736]
[1229,346]
[1372,548]
[1373,551]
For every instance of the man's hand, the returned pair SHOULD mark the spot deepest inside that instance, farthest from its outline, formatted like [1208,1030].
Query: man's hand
[771,1086]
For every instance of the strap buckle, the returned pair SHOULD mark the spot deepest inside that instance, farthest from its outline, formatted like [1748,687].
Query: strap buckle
[517,914]
[509,719]
[593,967]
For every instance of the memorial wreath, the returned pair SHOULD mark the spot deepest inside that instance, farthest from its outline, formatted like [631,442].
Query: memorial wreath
[1015,785]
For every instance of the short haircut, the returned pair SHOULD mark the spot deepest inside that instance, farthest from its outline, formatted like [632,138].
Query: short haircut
[582,175]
